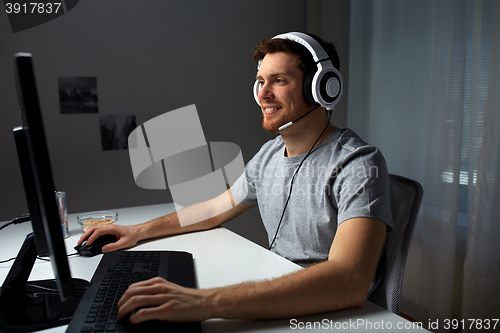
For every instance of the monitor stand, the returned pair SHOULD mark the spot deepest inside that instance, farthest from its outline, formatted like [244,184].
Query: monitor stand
[27,306]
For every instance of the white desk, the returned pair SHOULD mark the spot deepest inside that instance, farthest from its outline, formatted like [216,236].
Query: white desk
[221,258]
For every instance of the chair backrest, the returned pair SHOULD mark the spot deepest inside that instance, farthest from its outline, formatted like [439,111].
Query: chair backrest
[406,196]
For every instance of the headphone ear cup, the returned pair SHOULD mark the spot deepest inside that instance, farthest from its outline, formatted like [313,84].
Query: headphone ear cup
[256,89]
[330,87]
[307,89]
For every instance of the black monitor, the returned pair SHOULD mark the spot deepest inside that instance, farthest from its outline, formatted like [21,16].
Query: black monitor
[33,305]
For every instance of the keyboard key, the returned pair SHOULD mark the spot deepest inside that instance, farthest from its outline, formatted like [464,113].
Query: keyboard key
[111,328]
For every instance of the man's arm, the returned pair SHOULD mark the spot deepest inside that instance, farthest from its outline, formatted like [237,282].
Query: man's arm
[341,282]
[201,216]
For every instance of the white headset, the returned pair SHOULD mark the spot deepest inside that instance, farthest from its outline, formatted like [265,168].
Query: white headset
[322,87]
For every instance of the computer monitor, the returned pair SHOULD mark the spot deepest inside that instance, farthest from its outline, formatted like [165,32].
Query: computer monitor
[28,306]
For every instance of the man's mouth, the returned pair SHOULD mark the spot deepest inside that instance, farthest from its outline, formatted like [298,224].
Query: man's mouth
[272,109]
[269,110]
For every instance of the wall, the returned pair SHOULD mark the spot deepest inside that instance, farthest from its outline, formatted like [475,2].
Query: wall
[331,20]
[149,57]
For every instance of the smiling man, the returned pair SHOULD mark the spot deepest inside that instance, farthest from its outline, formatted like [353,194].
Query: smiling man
[280,90]
[281,99]
[322,192]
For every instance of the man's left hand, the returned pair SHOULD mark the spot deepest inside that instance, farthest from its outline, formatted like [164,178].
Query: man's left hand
[160,299]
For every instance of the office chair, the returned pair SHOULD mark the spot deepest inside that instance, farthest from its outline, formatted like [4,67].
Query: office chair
[406,196]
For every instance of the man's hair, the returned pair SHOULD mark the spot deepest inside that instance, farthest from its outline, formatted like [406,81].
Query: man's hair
[305,61]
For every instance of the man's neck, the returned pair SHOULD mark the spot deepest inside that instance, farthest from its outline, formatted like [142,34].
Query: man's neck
[301,140]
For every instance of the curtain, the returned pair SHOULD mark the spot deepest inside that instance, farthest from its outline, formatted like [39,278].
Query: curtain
[424,86]
[482,265]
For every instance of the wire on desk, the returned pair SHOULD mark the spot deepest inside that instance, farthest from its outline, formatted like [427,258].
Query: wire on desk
[4,261]
[48,259]
[21,219]
[17,220]
[38,257]
[31,285]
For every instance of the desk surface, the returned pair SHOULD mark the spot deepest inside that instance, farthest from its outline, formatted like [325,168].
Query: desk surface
[221,258]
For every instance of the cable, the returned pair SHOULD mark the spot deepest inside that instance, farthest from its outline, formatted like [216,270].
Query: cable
[38,257]
[41,287]
[67,256]
[49,289]
[17,220]
[295,174]
[4,261]
[21,219]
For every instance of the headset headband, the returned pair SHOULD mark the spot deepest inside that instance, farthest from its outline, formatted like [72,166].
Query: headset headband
[310,44]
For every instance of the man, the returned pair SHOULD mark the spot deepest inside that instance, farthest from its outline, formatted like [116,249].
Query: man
[324,199]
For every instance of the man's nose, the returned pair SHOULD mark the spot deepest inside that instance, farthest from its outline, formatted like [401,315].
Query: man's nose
[265,92]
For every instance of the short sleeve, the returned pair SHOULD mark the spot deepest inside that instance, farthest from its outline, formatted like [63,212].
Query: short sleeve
[243,191]
[361,187]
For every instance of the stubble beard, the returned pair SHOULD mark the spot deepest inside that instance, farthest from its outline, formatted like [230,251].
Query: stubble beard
[273,126]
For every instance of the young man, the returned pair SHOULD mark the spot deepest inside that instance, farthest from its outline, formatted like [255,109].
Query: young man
[324,198]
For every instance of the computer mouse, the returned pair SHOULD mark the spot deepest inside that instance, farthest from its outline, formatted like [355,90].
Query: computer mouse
[96,246]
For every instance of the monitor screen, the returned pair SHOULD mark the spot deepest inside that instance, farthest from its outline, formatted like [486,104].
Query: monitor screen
[41,196]
[24,306]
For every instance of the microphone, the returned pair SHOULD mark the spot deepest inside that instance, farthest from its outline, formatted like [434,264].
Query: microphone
[292,122]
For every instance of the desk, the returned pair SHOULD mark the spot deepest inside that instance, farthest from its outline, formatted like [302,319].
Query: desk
[221,258]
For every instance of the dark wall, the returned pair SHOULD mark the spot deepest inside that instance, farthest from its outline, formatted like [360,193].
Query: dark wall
[149,57]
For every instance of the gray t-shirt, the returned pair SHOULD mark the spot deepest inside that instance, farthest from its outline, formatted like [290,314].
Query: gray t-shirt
[343,178]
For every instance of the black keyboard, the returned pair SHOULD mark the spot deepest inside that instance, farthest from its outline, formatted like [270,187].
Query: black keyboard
[97,311]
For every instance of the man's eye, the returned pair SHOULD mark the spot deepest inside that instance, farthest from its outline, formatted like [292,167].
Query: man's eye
[278,81]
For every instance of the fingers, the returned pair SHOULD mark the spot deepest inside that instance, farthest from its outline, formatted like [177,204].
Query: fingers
[104,230]
[113,246]
[150,293]
[144,287]
[146,305]
[150,282]
[157,309]
[87,235]
[94,232]
[163,300]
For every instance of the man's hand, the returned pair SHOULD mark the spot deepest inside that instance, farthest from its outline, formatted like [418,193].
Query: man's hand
[126,235]
[163,300]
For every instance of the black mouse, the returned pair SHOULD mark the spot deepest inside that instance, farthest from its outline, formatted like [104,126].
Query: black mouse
[96,246]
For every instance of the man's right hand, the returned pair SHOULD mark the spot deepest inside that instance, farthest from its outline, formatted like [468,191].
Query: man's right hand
[127,236]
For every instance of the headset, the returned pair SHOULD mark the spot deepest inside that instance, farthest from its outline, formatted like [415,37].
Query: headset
[322,87]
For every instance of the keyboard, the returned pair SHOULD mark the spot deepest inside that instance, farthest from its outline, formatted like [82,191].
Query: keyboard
[97,311]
